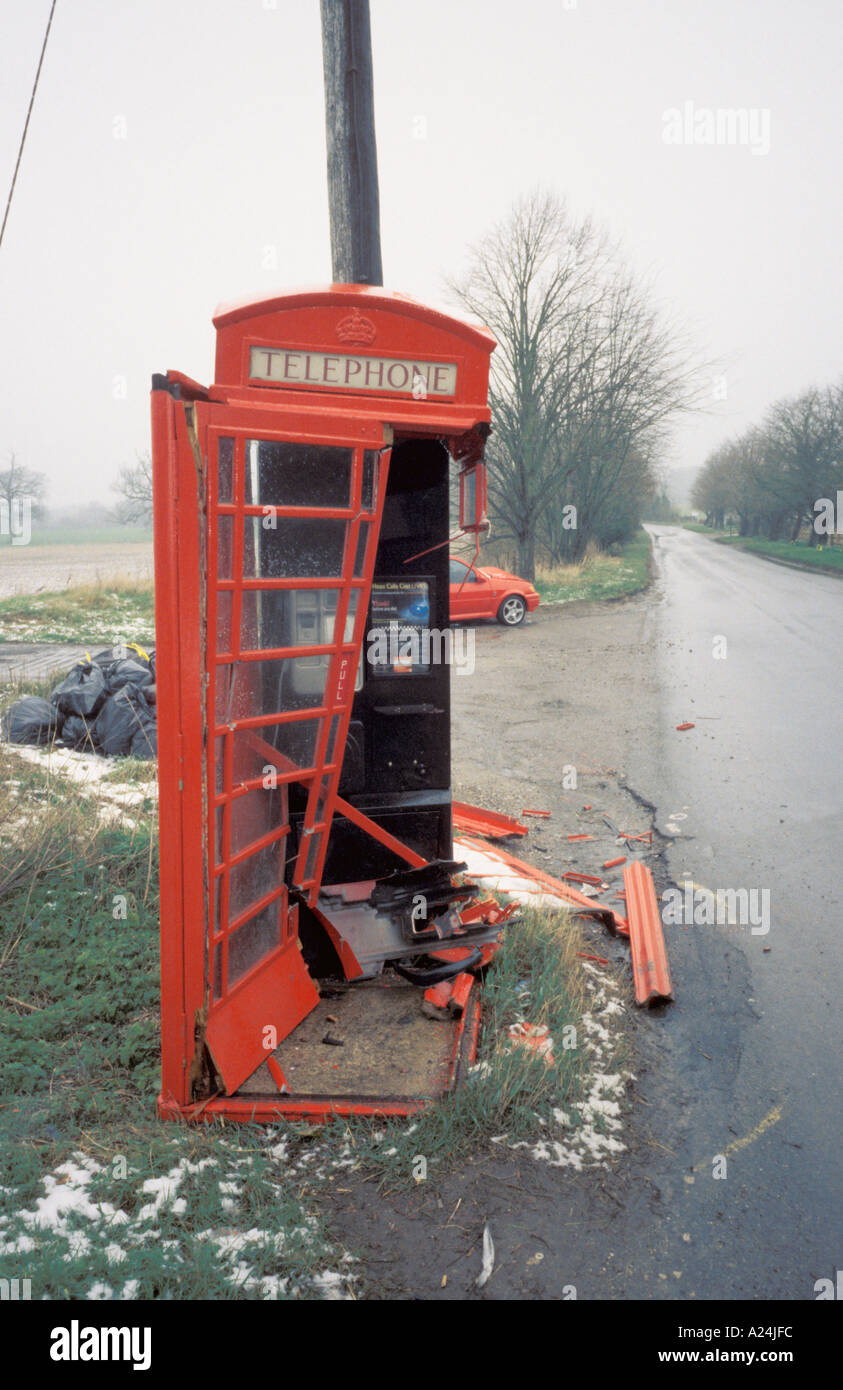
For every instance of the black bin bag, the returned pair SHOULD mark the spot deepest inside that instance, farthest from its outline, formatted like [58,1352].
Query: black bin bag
[121,717]
[78,732]
[31,720]
[128,672]
[82,691]
[145,742]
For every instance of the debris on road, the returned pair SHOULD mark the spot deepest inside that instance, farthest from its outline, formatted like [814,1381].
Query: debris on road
[500,871]
[478,821]
[682,727]
[646,937]
[518,881]
[544,814]
[488,1263]
[535,1037]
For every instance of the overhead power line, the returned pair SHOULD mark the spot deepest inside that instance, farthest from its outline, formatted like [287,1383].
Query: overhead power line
[26,123]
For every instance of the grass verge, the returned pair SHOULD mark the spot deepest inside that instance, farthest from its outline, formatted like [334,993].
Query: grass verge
[827,559]
[599,575]
[564,1106]
[98,1198]
[101,1200]
[116,534]
[103,613]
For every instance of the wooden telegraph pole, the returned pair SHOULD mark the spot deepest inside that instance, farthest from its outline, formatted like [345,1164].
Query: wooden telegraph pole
[352,154]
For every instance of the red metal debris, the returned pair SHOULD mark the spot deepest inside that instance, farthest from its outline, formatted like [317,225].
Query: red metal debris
[601,960]
[613,863]
[544,814]
[460,991]
[489,910]
[449,998]
[478,821]
[581,878]
[437,996]
[646,938]
[681,727]
[534,1036]
[580,837]
[555,886]
[487,951]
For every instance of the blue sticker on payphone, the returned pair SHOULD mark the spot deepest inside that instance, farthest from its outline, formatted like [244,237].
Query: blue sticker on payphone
[399,642]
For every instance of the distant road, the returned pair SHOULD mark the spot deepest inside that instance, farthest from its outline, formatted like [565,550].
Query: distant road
[30,569]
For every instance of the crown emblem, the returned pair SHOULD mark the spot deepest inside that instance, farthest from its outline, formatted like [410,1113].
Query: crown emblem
[354,328]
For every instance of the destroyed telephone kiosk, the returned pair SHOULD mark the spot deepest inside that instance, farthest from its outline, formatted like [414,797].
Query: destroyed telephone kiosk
[302,585]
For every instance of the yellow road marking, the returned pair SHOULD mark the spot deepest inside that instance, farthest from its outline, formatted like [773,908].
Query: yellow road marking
[731,921]
[761,1128]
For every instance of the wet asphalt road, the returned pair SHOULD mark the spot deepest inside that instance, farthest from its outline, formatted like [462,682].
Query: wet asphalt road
[752,798]
[745,1064]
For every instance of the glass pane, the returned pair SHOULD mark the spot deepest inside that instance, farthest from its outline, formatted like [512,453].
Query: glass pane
[253,815]
[360,557]
[253,749]
[224,620]
[297,475]
[248,688]
[225,537]
[246,947]
[278,547]
[288,618]
[369,474]
[468,500]
[332,738]
[255,877]
[311,857]
[225,471]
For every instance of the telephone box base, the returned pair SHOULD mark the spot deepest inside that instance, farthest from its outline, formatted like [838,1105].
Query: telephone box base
[383,1057]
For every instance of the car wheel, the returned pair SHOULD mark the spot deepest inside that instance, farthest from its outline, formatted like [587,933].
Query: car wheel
[512,611]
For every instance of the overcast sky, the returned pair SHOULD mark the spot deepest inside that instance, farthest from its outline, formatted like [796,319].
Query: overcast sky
[176,159]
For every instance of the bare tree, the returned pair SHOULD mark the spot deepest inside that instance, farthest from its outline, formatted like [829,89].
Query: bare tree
[713,490]
[134,488]
[772,477]
[805,452]
[584,379]
[21,486]
[530,280]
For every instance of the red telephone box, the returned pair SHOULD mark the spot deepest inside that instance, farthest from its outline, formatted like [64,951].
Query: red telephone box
[304,787]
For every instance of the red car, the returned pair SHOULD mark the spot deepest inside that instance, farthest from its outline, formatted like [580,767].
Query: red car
[489,593]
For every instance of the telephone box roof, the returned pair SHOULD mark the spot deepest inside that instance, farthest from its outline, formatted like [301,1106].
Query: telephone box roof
[370,296]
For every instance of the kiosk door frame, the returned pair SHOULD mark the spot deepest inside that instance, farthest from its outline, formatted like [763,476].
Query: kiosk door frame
[249,986]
